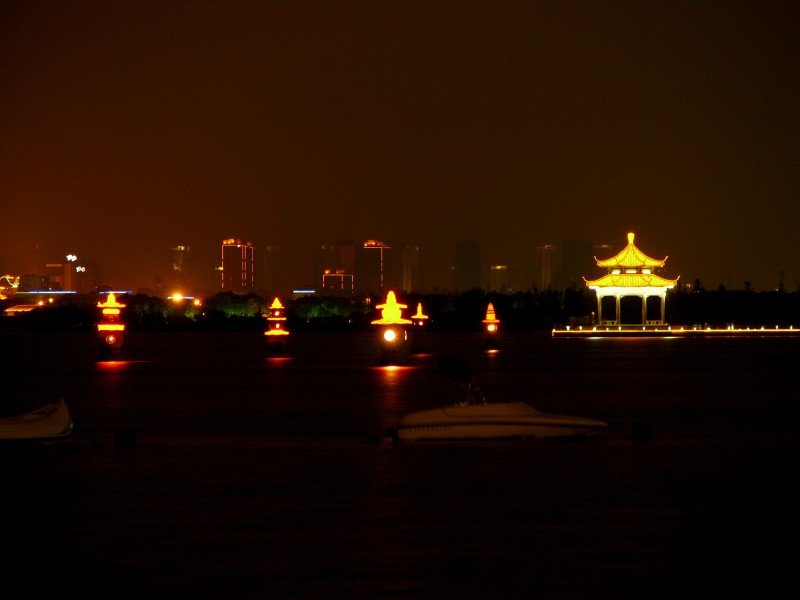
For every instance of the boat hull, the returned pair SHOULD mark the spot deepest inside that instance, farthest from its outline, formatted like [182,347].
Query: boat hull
[51,422]
[493,421]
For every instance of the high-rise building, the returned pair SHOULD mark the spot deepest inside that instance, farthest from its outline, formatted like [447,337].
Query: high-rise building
[337,283]
[268,271]
[180,266]
[498,279]
[238,266]
[576,260]
[544,266]
[468,265]
[373,267]
[412,277]
[338,258]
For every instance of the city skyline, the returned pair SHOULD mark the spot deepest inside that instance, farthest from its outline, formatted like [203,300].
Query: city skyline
[347,268]
[132,127]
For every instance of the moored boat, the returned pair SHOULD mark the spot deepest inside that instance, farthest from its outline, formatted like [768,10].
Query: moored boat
[492,421]
[51,422]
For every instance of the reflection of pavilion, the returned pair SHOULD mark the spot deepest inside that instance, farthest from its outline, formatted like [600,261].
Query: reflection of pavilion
[631,273]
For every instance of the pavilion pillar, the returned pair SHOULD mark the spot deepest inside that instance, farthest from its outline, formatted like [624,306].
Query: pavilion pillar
[599,308]
[644,309]
[619,307]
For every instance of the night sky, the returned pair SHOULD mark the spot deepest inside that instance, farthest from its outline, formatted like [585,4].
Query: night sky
[128,128]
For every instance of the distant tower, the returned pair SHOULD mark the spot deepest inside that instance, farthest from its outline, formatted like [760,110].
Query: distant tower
[411,271]
[345,255]
[180,263]
[238,266]
[268,273]
[544,266]
[180,257]
[372,266]
[468,265]
[575,258]
[338,260]
[498,278]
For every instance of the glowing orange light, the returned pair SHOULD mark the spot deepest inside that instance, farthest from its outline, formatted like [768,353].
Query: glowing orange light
[389,335]
[391,312]
[276,311]
[111,312]
[419,316]
[276,319]
[111,301]
[491,320]
[177,297]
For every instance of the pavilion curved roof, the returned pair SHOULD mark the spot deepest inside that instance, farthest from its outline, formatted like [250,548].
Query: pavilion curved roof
[632,280]
[630,257]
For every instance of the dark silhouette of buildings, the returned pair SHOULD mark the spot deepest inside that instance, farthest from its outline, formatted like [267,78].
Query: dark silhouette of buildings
[468,265]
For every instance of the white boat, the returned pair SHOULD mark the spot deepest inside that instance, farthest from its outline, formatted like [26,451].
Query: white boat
[51,422]
[491,421]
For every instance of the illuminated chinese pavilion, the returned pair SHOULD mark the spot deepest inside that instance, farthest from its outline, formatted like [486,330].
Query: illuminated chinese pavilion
[631,273]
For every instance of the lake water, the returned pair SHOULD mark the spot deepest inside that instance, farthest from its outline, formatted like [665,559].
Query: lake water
[248,476]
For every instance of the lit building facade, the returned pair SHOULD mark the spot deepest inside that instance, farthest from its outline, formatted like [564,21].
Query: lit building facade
[238,266]
[338,258]
[337,283]
[372,267]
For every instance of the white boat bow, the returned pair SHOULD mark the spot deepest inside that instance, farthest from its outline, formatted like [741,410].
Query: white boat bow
[492,421]
[49,423]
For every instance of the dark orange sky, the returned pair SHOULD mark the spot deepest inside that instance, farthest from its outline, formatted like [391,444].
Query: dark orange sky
[130,127]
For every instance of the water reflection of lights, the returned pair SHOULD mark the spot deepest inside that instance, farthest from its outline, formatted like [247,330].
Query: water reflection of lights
[392,379]
[393,368]
[278,360]
[114,365]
